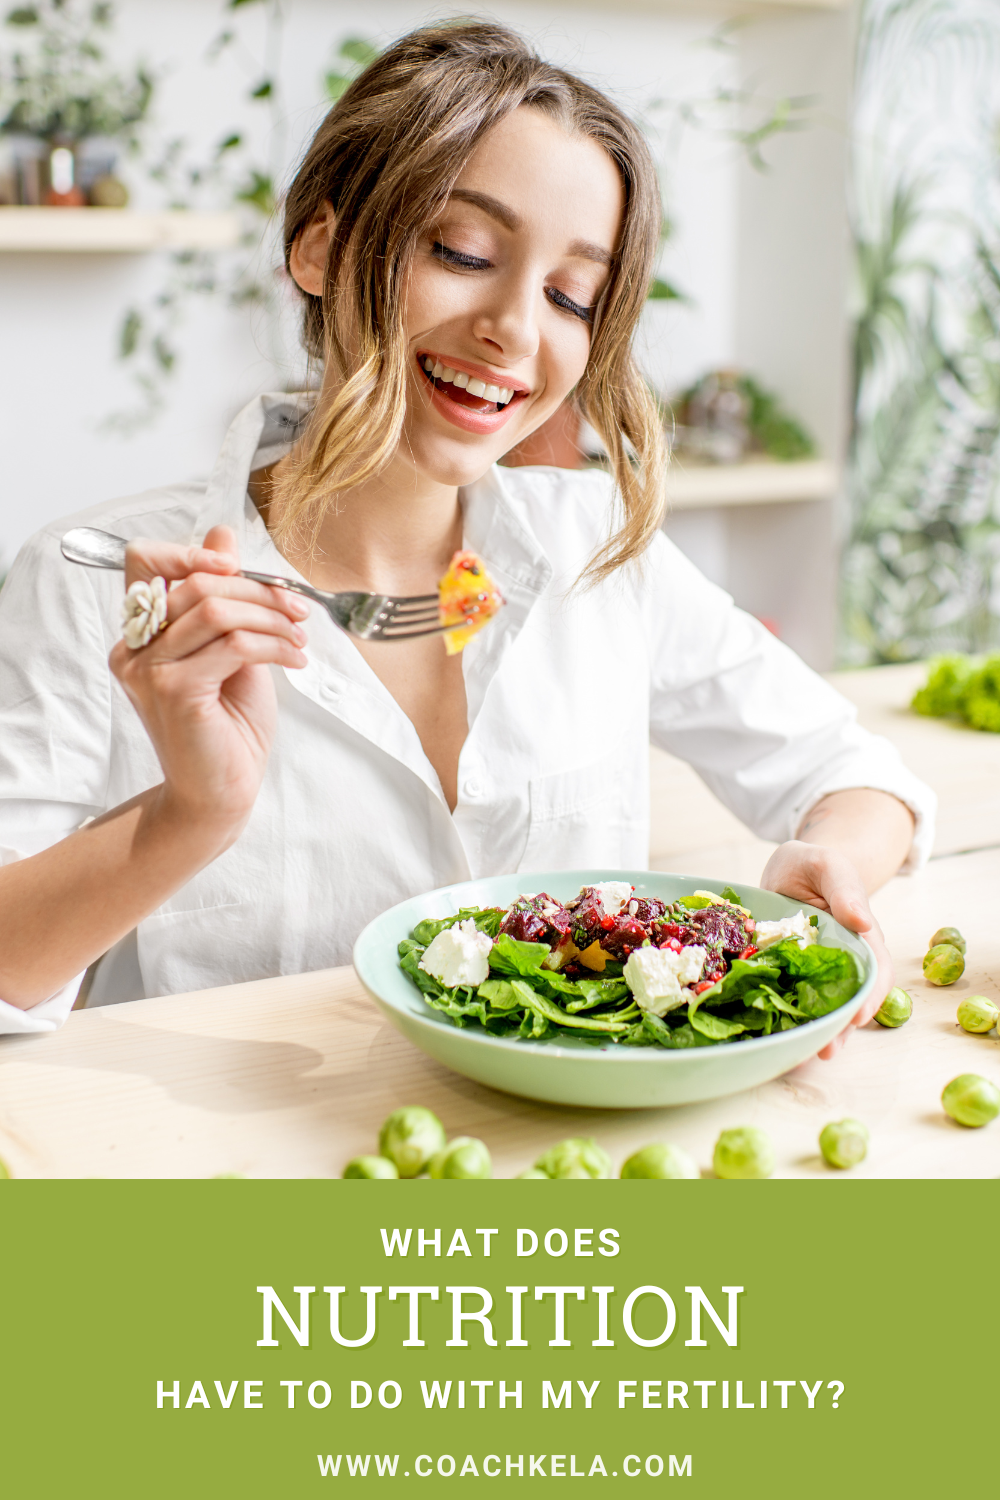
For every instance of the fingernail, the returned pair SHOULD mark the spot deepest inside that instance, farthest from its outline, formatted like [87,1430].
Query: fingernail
[298,635]
[299,606]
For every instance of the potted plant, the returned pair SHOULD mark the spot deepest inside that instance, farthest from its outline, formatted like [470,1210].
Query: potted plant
[64,110]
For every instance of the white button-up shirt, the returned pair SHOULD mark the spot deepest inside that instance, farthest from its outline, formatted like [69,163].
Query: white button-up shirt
[565,690]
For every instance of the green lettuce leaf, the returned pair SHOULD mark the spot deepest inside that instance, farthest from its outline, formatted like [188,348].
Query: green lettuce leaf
[487,919]
[674,1036]
[716,1028]
[511,956]
[826,978]
[583,994]
[745,974]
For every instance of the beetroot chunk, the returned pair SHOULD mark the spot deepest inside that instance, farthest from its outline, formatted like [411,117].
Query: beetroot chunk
[626,934]
[537,919]
[588,919]
[723,927]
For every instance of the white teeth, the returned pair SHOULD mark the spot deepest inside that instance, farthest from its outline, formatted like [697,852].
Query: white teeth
[429,366]
[461,380]
[476,387]
[505,396]
[447,376]
[438,371]
[492,393]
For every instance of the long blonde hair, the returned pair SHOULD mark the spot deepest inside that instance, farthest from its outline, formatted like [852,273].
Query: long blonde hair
[387,157]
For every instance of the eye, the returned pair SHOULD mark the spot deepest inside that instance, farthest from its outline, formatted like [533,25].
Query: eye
[585,314]
[457,258]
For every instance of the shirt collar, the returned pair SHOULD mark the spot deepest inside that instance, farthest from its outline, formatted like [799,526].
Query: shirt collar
[338,678]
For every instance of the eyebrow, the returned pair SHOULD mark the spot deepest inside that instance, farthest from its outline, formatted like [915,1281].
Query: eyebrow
[512,221]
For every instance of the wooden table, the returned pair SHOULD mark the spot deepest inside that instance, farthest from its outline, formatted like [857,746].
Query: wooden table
[291,1077]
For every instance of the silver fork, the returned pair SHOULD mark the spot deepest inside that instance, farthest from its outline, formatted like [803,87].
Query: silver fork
[372,617]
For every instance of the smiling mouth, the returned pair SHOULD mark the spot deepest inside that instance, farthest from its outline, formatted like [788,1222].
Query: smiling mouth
[466,390]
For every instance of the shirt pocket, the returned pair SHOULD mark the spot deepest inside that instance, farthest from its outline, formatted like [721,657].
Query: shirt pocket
[591,815]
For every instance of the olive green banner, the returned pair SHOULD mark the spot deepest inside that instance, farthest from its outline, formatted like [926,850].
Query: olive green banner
[286,1339]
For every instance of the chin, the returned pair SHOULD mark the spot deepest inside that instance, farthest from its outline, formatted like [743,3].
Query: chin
[456,463]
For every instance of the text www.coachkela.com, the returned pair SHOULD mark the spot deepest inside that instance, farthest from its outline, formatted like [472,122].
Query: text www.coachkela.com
[492,1466]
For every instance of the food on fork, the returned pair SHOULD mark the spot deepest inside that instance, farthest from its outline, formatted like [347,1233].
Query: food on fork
[467,599]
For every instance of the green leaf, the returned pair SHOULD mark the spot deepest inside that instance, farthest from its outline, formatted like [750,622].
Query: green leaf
[728,894]
[357,50]
[487,919]
[744,974]
[511,956]
[128,336]
[336,85]
[229,144]
[675,1037]
[258,191]
[664,291]
[22,15]
[501,994]
[694,903]
[716,1028]
[264,89]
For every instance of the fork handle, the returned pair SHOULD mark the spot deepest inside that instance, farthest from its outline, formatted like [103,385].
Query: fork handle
[101,549]
[94,549]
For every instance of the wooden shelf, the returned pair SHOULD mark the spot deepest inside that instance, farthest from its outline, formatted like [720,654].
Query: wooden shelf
[701,486]
[113,230]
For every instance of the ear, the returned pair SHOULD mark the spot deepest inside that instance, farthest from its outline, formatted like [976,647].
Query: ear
[307,259]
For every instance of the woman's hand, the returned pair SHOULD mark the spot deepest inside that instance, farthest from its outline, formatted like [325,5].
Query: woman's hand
[201,687]
[826,878]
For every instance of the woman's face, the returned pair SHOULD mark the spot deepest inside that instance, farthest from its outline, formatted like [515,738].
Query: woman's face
[501,293]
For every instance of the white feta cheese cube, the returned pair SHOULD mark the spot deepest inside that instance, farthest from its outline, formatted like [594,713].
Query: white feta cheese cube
[657,976]
[458,955]
[613,894]
[798,927]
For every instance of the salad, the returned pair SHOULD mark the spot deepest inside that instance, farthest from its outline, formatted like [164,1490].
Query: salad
[609,966]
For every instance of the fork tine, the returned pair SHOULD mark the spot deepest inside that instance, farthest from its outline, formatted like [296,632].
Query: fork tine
[399,613]
[424,617]
[412,599]
[388,634]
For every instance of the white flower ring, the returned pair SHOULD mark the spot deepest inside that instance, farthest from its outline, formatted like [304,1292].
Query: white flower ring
[144,612]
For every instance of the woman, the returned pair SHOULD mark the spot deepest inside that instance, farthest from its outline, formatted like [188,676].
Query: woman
[465,213]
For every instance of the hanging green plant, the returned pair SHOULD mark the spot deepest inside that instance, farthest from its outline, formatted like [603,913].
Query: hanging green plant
[57,83]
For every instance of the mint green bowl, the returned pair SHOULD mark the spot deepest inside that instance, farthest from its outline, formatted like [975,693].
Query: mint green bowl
[566,1071]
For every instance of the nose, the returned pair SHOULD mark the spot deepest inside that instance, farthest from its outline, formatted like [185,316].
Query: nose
[507,322]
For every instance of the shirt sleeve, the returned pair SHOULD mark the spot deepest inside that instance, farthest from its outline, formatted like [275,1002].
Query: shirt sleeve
[765,733]
[54,725]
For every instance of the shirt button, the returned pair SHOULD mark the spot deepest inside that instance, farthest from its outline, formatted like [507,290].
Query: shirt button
[473,788]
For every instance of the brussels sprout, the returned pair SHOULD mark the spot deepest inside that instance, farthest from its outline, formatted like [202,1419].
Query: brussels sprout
[977,1014]
[948,935]
[660,1160]
[532,1173]
[943,964]
[743,1152]
[462,1157]
[410,1137]
[895,1010]
[971,1100]
[371,1166]
[580,1156]
[844,1142]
